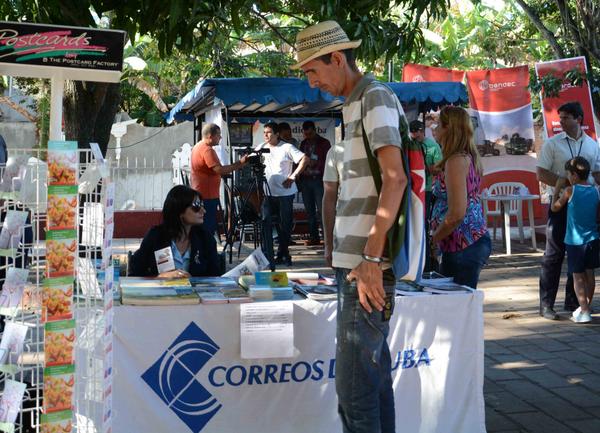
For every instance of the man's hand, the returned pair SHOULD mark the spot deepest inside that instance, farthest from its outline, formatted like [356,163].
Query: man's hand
[561,182]
[244,159]
[369,282]
[288,182]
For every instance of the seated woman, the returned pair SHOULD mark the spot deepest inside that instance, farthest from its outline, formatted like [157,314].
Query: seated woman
[194,249]
[457,223]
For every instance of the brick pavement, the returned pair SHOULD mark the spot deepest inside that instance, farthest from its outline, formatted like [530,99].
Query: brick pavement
[540,375]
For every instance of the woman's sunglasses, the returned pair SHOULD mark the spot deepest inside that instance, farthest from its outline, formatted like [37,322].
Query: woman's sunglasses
[197,205]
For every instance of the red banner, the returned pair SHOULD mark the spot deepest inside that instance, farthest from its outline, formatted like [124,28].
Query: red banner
[412,73]
[568,93]
[499,89]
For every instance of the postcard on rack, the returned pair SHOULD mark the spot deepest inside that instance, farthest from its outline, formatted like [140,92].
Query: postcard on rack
[12,290]
[62,207]
[57,422]
[59,339]
[11,345]
[58,387]
[61,247]
[57,299]
[12,228]
[10,403]
[164,260]
[62,162]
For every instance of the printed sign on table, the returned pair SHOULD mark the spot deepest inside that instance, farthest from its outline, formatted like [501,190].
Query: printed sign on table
[568,93]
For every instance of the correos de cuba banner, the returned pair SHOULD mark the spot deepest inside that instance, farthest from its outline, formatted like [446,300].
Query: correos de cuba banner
[568,93]
[414,73]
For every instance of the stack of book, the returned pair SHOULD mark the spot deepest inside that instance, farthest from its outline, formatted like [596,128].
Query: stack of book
[145,291]
[268,293]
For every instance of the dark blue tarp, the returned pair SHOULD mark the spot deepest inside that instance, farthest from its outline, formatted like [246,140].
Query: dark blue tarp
[285,91]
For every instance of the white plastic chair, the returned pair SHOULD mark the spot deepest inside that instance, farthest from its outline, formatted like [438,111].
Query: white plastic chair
[505,188]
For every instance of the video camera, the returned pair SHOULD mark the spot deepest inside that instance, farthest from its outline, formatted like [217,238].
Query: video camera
[254,155]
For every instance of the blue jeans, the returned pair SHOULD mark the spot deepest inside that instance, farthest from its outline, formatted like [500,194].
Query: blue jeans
[283,209]
[363,366]
[312,196]
[210,217]
[465,265]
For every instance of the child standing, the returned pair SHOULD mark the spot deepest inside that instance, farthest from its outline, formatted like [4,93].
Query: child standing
[582,237]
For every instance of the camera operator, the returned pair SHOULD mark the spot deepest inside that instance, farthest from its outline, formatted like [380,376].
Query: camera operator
[207,171]
[279,197]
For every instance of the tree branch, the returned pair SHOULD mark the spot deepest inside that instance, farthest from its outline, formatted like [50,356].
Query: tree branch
[272,27]
[19,109]
[548,35]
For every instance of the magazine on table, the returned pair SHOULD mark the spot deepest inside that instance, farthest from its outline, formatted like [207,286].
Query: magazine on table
[181,295]
[319,292]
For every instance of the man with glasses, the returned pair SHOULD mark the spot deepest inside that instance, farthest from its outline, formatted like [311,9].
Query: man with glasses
[207,171]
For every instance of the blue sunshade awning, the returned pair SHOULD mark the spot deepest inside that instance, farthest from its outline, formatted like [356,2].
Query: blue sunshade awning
[263,97]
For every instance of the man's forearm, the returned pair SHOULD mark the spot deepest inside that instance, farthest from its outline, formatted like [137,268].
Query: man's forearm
[546,176]
[301,166]
[329,202]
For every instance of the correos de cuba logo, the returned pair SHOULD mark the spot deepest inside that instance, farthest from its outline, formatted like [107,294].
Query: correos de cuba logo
[173,377]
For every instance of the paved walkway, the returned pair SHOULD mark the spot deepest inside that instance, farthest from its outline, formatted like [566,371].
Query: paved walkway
[540,376]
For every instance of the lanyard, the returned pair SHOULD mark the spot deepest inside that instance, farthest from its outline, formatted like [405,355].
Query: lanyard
[569,143]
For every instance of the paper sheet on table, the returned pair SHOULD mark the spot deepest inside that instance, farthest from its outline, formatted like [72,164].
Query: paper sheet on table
[267,330]
[253,263]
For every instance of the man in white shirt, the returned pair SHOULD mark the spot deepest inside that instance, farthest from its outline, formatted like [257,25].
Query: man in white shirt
[279,197]
[550,170]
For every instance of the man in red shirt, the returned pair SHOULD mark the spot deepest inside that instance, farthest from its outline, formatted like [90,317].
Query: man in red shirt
[207,171]
[315,148]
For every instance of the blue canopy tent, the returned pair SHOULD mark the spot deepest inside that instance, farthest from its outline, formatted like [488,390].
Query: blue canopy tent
[248,99]
[293,98]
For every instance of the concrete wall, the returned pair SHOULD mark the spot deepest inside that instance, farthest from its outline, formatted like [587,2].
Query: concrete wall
[19,134]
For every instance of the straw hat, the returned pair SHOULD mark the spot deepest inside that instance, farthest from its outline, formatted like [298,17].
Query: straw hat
[320,39]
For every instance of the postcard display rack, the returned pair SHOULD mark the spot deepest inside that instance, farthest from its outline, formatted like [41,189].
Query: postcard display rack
[56,302]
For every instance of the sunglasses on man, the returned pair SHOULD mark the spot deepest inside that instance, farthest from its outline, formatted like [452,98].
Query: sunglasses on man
[197,205]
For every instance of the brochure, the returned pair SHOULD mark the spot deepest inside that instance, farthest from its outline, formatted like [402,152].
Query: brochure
[62,162]
[59,339]
[318,292]
[61,247]
[58,388]
[12,228]
[10,404]
[253,263]
[62,207]
[11,345]
[12,290]
[271,279]
[213,281]
[57,299]
[57,422]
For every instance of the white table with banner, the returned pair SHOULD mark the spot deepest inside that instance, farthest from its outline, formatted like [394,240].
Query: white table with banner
[178,369]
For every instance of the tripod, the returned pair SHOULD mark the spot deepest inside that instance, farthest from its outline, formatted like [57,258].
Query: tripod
[245,208]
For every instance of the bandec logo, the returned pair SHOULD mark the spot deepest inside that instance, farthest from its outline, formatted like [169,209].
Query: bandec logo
[486,85]
[418,79]
[174,376]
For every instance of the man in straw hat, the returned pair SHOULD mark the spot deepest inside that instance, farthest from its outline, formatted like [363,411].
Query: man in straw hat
[355,232]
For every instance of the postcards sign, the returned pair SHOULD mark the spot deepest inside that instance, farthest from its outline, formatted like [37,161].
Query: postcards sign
[70,47]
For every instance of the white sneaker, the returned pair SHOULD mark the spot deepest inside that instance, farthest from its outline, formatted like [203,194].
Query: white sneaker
[576,313]
[582,318]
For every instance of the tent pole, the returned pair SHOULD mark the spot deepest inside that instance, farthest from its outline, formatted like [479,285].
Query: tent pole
[57,87]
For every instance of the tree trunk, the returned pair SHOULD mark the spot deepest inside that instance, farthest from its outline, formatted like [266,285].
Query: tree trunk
[89,112]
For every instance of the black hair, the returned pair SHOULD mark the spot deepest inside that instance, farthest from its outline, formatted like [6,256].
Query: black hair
[308,124]
[416,125]
[284,126]
[274,127]
[348,53]
[178,199]
[579,166]
[573,108]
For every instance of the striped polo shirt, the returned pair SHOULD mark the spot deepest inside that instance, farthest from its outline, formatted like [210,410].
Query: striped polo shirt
[347,165]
